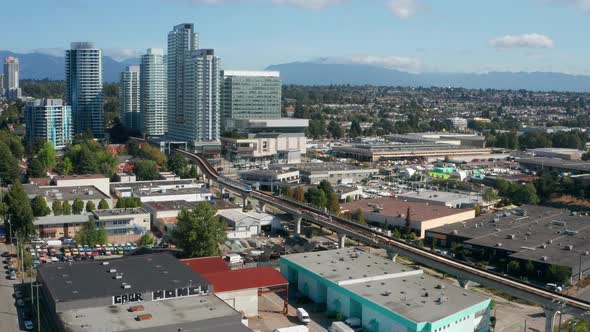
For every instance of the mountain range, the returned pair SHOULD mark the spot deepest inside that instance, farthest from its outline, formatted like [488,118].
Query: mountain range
[310,73]
[40,66]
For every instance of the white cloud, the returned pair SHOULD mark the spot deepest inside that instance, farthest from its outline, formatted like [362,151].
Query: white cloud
[390,62]
[532,40]
[54,51]
[581,4]
[403,8]
[308,4]
[121,53]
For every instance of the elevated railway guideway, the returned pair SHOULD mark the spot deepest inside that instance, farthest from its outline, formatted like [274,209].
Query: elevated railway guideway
[552,302]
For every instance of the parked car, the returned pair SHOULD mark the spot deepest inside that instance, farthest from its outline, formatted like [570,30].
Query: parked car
[303,316]
[29,325]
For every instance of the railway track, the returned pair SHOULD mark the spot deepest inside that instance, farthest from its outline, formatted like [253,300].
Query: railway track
[549,299]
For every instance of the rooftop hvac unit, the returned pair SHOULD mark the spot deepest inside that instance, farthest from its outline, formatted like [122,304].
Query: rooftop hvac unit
[544,258]
[104,263]
[126,286]
[112,270]
[118,277]
[455,232]
[558,223]
[569,247]
[511,236]
[543,246]
[570,232]
[499,244]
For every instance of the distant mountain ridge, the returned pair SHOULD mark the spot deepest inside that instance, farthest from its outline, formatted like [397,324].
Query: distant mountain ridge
[309,73]
[39,66]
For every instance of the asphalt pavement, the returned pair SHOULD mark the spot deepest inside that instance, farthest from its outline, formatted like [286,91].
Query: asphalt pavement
[9,320]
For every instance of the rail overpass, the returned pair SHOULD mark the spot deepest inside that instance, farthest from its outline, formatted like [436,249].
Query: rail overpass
[552,302]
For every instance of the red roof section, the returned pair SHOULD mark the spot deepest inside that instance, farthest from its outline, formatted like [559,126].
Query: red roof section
[206,265]
[223,279]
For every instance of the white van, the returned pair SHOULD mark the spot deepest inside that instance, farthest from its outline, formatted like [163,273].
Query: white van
[303,316]
[340,327]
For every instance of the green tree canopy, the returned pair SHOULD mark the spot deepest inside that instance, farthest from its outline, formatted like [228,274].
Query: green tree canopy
[90,234]
[299,194]
[355,129]
[199,232]
[36,169]
[65,167]
[57,207]
[90,206]
[77,206]
[359,216]
[146,170]
[103,204]
[147,239]
[19,210]
[9,170]
[39,206]
[489,195]
[47,155]
[335,130]
[67,208]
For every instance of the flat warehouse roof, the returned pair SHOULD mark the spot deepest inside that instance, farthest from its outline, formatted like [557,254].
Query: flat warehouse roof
[396,207]
[91,279]
[207,313]
[398,288]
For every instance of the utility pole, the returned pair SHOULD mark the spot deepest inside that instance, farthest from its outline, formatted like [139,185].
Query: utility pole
[38,313]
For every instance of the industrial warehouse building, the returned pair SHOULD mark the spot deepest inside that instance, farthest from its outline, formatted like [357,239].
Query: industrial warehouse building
[239,288]
[372,152]
[139,293]
[392,212]
[541,235]
[384,295]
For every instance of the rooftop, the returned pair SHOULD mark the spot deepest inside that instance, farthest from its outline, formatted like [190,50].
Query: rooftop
[60,220]
[397,207]
[398,288]
[442,196]
[210,312]
[80,177]
[580,166]
[66,193]
[330,167]
[223,279]
[79,280]
[542,232]
[119,212]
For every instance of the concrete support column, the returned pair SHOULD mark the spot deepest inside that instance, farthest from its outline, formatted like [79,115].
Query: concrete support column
[341,240]
[244,202]
[464,283]
[392,255]
[262,207]
[222,189]
[550,315]
[298,225]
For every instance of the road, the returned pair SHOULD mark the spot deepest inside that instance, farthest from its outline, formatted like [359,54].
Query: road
[9,321]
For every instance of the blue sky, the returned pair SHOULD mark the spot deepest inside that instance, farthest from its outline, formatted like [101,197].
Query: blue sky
[413,35]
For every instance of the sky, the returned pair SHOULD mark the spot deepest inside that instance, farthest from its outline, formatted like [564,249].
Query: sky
[411,35]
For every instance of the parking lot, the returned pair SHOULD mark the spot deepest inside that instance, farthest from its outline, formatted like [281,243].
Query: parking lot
[10,320]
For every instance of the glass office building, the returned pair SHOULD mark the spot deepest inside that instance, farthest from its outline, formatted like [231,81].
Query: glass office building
[50,120]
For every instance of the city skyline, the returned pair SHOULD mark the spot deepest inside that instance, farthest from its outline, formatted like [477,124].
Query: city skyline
[411,35]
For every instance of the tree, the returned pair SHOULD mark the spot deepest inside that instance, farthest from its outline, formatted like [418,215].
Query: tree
[67,208]
[477,210]
[333,203]
[355,129]
[87,161]
[36,169]
[199,232]
[146,170]
[316,197]
[103,204]
[146,240]
[179,165]
[359,216]
[91,235]
[299,194]
[9,170]
[19,211]
[349,199]
[57,207]
[78,206]
[558,273]
[489,195]
[335,129]
[47,155]
[288,192]
[39,206]
[65,167]
[90,206]
[513,268]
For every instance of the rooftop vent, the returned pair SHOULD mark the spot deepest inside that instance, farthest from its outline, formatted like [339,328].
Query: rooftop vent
[511,236]
[499,244]
[126,286]
[569,247]
[112,270]
[386,293]
[104,263]
[144,317]
[544,258]
[439,286]
[118,277]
